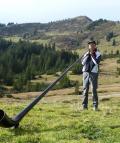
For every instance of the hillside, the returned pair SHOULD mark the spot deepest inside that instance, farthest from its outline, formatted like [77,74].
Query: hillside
[69,33]
[73,24]
[58,117]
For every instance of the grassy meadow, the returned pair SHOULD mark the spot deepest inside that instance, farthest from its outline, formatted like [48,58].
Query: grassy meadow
[58,118]
[63,121]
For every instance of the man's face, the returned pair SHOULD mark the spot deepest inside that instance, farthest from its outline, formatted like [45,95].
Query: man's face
[92,47]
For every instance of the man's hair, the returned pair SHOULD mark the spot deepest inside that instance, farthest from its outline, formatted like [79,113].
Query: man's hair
[91,42]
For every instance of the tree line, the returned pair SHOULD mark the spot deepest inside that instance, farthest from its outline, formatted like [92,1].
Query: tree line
[20,62]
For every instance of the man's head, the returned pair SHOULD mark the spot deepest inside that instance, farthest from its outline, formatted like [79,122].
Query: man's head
[92,46]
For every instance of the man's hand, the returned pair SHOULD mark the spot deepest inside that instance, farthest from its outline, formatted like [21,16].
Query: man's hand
[91,51]
[87,54]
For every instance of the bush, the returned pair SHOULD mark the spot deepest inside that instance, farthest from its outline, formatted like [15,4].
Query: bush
[35,87]
[50,72]
[92,25]
[77,88]
[109,36]
[118,61]
[113,42]
[8,95]
[1,95]
[118,71]
[77,69]
[117,52]
[65,82]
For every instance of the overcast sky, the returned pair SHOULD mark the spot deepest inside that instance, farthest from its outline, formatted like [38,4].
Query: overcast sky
[22,11]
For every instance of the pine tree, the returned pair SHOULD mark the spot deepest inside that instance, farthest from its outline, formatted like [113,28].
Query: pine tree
[113,42]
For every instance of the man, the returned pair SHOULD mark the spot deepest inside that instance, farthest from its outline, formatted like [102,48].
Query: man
[90,62]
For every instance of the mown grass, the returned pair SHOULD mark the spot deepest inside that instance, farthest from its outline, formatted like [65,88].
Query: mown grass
[64,122]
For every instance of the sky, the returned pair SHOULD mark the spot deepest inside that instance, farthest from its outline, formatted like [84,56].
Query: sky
[43,11]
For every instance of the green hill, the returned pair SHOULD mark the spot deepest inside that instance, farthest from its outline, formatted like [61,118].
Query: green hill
[69,33]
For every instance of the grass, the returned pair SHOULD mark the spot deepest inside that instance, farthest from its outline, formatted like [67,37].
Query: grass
[41,41]
[45,78]
[63,121]
[108,80]
[56,33]
[104,46]
[59,118]
[108,74]
[13,38]
[16,39]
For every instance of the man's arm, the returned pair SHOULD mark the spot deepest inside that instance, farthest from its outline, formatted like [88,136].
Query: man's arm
[84,58]
[96,59]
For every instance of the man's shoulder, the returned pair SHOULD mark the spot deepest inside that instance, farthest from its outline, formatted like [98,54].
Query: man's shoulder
[85,54]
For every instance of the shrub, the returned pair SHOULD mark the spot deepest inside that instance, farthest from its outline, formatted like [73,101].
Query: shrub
[77,69]
[77,88]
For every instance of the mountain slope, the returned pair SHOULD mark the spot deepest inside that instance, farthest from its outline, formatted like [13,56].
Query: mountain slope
[68,33]
[63,25]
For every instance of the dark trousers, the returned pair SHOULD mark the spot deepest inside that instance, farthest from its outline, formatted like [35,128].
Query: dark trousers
[90,78]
